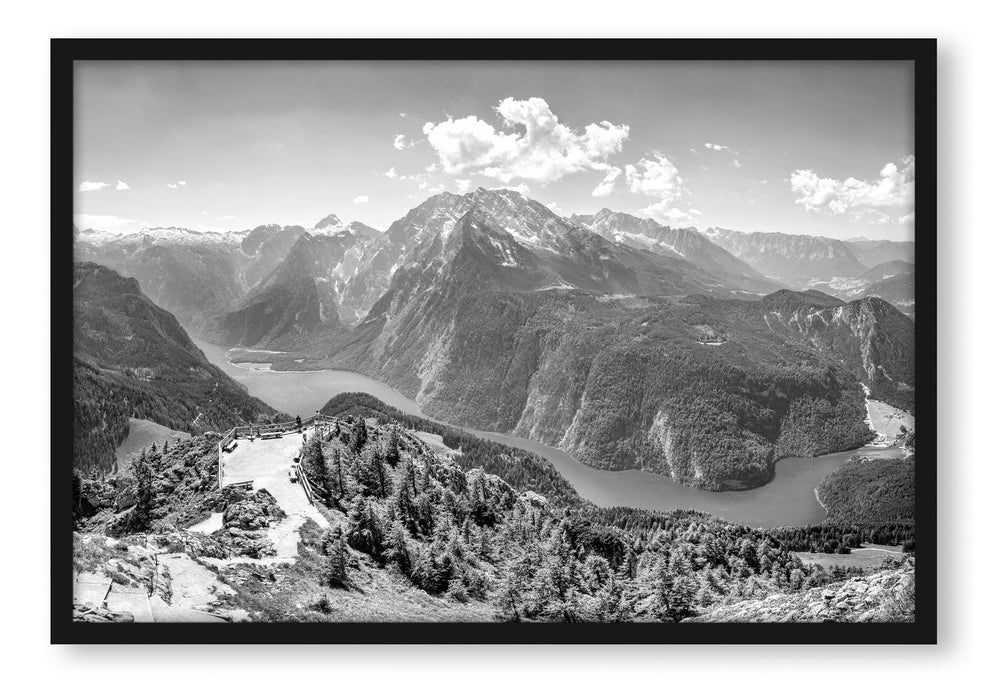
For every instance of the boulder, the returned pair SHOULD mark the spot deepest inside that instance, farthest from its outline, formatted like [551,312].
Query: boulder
[254,512]
[245,543]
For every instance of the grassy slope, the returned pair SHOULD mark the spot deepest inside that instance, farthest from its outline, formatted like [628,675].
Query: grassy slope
[141,434]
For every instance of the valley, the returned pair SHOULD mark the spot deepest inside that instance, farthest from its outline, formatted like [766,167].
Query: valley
[379,342]
[788,500]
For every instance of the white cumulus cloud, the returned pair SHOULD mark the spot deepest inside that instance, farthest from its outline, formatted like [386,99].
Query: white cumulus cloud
[361,199]
[535,146]
[122,186]
[176,185]
[391,174]
[88,186]
[657,176]
[894,188]
[666,213]
[462,186]
[606,186]
[402,142]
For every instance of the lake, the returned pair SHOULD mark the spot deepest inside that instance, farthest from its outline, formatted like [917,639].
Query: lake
[787,500]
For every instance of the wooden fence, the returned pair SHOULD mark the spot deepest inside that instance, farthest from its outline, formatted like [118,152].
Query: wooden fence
[262,429]
[304,480]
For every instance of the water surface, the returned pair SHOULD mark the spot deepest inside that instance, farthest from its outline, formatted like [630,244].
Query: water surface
[787,500]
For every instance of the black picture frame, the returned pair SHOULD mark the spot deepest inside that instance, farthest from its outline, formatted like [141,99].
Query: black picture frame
[922,52]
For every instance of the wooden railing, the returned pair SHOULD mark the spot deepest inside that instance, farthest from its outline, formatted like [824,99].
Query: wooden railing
[262,429]
[304,480]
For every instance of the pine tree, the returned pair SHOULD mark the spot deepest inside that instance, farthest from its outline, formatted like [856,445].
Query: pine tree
[405,508]
[144,474]
[339,474]
[377,465]
[396,549]
[627,571]
[363,531]
[334,572]
[360,435]
[392,447]
[610,603]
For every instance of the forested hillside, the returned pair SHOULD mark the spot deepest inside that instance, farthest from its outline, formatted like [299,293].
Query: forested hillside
[520,469]
[864,492]
[133,359]
[400,512]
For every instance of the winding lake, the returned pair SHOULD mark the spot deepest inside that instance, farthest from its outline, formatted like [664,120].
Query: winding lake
[787,500]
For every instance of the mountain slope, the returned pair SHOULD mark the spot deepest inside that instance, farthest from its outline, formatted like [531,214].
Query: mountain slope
[711,391]
[406,533]
[133,359]
[898,290]
[293,304]
[686,244]
[798,260]
[872,253]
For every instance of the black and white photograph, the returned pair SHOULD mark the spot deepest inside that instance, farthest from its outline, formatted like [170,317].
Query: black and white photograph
[566,342]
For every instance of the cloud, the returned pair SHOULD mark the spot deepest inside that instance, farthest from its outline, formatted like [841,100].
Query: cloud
[88,186]
[403,115]
[536,146]
[105,222]
[402,142]
[391,174]
[656,177]
[722,148]
[872,216]
[553,206]
[719,147]
[361,199]
[122,186]
[176,185]
[906,219]
[665,212]
[228,217]
[521,188]
[606,186]
[894,188]
[462,186]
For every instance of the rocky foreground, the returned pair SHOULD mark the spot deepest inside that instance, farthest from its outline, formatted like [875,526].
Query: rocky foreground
[886,596]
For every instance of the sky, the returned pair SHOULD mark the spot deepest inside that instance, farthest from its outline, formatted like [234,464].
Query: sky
[819,148]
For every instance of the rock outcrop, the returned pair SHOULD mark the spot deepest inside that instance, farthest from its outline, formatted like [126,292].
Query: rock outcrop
[886,596]
[255,512]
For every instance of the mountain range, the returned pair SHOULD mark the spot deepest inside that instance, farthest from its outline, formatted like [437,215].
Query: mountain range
[627,343]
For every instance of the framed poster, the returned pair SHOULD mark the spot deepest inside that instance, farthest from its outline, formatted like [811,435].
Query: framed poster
[415,341]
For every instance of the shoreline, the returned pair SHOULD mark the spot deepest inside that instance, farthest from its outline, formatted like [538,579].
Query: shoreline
[850,452]
[818,498]
[607,488]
